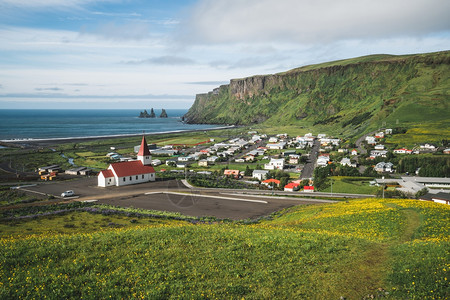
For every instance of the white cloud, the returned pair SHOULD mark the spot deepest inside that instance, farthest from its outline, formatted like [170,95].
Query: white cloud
[304,21]
[168,60]
[130,31]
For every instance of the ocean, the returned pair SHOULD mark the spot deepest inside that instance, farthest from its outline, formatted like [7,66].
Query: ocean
[71,123]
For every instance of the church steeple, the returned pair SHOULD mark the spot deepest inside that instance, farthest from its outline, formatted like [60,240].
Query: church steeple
[144,154]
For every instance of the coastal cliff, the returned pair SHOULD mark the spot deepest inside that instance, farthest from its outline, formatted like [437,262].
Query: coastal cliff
[378,87]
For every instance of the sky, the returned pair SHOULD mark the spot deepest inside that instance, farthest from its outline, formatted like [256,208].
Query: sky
[139,54]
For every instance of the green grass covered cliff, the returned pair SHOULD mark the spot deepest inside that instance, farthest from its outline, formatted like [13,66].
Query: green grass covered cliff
[345,97]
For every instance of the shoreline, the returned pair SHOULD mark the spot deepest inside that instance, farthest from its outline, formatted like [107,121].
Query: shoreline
[53,141]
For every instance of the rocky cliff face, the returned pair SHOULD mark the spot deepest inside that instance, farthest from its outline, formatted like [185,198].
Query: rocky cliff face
[330,93]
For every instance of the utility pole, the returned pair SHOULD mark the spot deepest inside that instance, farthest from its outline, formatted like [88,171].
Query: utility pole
[331,178]
[383,186]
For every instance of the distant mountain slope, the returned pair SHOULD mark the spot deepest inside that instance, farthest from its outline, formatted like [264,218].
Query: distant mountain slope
[347,96]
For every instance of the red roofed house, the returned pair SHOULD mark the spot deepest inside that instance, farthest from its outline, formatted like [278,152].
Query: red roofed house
[232,173]
[268,181]
[402,151]
[308,188]
[129,172]
[290,187]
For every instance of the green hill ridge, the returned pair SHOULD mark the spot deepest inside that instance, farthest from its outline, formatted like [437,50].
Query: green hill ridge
[345,97]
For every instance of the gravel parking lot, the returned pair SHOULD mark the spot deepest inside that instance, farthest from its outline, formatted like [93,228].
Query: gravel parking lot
[172,195]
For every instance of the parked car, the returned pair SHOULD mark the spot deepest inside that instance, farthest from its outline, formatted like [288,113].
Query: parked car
[67,194]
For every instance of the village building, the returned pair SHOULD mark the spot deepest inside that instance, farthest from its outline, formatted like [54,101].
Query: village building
[183,164]
[347,162]
[277,146]
[260,174]
[271,182]
[203,163]
[129,172]
[275,164]
[212,159]
[384,167]
[412,185]
[294,159]
[443,198]
[308,188]
[232,173]
[290,187]
[379,135]
[323,160]
[402,151]
[79,171]
[378,153]
[371,140]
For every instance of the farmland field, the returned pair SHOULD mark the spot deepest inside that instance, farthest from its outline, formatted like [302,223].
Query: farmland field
[390,248]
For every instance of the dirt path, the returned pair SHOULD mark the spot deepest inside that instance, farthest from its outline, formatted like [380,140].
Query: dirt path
[366,277]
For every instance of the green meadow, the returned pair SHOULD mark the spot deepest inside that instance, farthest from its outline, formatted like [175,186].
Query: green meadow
[395,249]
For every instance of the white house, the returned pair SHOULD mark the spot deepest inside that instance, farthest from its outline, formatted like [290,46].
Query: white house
[428,147]
[260,174]
[384,167]
[322,160]
[129,172]
[186,158]
[379,135]
[379,147]
[347,162]
[378,153]
[402,151]
[371,140]
[277,146]
[275,164]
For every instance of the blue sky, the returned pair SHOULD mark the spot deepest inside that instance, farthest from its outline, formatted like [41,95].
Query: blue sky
[141,54]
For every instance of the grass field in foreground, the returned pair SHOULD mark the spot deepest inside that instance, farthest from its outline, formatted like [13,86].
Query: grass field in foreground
[394,248]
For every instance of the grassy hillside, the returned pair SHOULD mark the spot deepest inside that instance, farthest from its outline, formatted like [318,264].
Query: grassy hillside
[392,248]
[344,97]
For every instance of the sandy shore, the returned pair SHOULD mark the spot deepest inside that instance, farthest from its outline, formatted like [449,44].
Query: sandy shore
[57,141]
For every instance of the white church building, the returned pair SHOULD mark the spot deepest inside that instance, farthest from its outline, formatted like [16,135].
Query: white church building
[129,172]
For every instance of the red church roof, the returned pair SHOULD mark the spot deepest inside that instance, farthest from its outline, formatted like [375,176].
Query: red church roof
[130,168]
[107,173]
[143,150]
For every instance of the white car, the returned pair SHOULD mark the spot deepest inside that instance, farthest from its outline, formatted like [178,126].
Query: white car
[67,193]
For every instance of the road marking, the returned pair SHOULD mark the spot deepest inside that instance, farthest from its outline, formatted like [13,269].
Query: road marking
[209,196]
[285,198]
[22,186]
[31,191]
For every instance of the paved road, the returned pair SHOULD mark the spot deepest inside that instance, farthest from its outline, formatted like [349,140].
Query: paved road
[308,169]
[359,141]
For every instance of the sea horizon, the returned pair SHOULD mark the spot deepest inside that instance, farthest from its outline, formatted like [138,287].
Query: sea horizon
[47,124]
